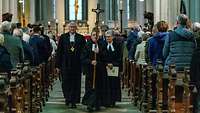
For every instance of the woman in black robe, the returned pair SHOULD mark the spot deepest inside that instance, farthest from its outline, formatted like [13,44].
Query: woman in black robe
[93,47]
[112,58]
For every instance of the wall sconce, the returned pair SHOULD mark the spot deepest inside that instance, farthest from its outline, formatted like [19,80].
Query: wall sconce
[49,25]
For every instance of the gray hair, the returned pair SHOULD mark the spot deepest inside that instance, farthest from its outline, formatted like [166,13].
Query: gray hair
[136,28]
[109,33]
[196,26]
[72,24]
[182,19]
[18,32]
[5,26]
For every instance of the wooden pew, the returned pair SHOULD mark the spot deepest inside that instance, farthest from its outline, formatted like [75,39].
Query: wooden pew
[3,93]
[180,102]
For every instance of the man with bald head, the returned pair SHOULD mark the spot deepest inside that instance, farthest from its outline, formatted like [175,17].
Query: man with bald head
[68,62]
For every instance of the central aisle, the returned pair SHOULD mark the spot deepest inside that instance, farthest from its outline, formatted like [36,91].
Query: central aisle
[56,103]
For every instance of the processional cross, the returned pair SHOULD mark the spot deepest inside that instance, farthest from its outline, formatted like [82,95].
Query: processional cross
[98,11]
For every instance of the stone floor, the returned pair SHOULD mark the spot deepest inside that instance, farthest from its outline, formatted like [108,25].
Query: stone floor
[56,104]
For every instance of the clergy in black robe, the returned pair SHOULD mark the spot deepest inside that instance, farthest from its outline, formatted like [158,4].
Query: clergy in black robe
[93,47]
[69,51]
[112,57]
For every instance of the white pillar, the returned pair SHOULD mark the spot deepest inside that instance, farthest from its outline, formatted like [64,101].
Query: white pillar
[156,11]
[60,14]
[174,11]
[197,9]
[149,5]
[125,14]
[92,4]
[140,12]
[1,10]
[13,10]
[164,10]
[5,6]
[32,11]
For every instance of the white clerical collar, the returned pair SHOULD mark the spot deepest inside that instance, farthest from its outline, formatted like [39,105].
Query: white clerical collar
[95,47]
[72,37]
[110,45]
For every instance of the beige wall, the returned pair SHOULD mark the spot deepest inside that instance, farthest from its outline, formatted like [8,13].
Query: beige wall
[60,14]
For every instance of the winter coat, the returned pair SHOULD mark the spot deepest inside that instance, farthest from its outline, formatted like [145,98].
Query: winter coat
[178,48]
[155,47]
[5,61]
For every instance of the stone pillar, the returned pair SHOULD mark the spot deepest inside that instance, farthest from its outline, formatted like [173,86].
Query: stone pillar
[13,9]
[60,14]
[132,10]
[156,11]
[125,14]
[149,5]
[174,11]
[164,10]
[32,11]
[140,12]
[197,9]
[92,4]
[5,4]
[1,10]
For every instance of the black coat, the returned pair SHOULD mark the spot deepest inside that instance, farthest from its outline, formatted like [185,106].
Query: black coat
[101,81]
[195,65]
[69,63]
[113,57]
[5,62]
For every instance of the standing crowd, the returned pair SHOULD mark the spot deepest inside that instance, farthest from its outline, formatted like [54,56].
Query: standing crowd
[104,51]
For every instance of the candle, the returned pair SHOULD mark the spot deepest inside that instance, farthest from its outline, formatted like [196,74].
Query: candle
[120,5]
[49,23]
[56,21]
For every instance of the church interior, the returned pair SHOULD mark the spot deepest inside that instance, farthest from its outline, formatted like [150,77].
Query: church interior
[153,56]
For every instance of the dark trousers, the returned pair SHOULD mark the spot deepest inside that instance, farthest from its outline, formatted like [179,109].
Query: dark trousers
[165,93]
[71,89]
[196,102]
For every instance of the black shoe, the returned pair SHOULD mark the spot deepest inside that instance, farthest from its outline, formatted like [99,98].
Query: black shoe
[97,108]
[73,106]
[66,103]
[89,109]
[113,104]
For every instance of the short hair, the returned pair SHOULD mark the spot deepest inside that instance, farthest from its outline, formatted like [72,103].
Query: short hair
[6,26]
[136,28]
[182,19]
[162,26]
[36,28]
[109,33]
[18,32]
[72,24]
[7,17]
[196,27]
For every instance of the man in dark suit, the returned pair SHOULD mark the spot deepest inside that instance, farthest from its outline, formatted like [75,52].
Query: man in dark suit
[69,51]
